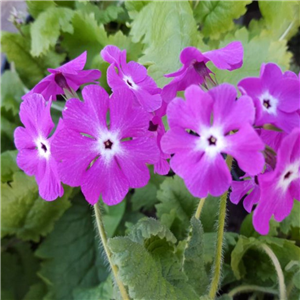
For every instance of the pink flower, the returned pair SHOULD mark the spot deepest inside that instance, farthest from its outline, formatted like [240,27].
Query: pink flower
[104,159]
[195,71]
[68,76]
[280,187]
[35,147]
[131,76]
[211,117]
[276,97]
[248,187]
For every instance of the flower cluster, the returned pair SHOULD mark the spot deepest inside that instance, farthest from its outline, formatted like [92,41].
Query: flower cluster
[104,142]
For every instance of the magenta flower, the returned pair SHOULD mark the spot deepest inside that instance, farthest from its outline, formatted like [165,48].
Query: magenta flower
[276,97]
[104,159]
[248,187]
[68,76]
[195,71]
[157,129]
[131,76]
[211,117]
[280,187]
[35,148]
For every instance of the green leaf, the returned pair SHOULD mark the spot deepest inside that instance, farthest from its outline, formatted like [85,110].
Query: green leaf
[145,198]
[257,50]
[249,260]
[12,89]
[88,36]
[36,291]
[137,266]
[112,217]
[8,165]
[9,123]
[36,7]
[282,25]
[24,213]
[19,268]
[164,40]
[147,227]
[47,27]
[133,7]
[104,291]
[72,258]
[176,206]
[292,220]
[194,266]
[216,17]
[31,70]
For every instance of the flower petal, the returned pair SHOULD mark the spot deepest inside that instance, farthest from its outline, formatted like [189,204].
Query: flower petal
[87,117]
[74,153]
[230,114]
[35,115]
[246,146]
[227,58]
[128,121]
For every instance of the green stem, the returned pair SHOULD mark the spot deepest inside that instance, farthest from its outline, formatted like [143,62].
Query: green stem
[251,288]
[103,238]
[220,236]
[273,257]
[199,208]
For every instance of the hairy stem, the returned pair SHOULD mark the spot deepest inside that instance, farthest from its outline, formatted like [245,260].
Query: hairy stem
[220,236]
[103,238]
[273,257]
[199,208]
[251,288]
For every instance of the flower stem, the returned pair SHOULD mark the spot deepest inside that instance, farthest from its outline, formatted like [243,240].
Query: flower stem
[199,208]
[273,257]
[251,288]
[220,236]
[103,238]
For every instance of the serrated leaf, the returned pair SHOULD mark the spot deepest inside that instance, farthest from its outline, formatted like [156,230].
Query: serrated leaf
[194,265]
[71,253]
[164,40]
[137,266]
[24,213]
[36,7]
[216,17]
[133,7]
[147,227]
[18,267]
[47,27]
[36,291]
[31,70]
[282,25]
[12,89]
[257,50]
[88,36]
[176,206]
[8,165]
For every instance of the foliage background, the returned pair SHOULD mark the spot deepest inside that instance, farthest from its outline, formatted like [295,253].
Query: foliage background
[49,249]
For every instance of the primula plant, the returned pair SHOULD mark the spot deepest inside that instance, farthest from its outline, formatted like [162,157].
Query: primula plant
[151,150]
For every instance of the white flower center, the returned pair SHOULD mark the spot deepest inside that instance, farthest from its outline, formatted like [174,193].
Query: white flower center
[268,103]
[211,141]
[128,80]
[43,147]
[290,173]
[108,145]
